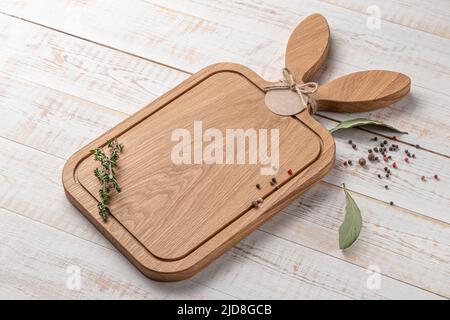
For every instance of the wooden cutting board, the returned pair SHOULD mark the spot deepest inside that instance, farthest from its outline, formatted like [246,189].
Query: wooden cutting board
[172,219]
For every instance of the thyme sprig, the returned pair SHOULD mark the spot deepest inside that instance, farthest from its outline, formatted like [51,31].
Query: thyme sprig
[107,175]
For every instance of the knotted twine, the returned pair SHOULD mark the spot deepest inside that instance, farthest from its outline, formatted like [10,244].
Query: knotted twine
[304,90]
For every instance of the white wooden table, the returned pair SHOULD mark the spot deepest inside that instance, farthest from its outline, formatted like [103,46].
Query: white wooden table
[71,69]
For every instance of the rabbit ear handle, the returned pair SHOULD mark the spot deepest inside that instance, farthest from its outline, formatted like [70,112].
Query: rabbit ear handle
[356,92]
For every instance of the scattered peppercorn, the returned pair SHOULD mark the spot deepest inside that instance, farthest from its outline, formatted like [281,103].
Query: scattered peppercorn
[369,151]
[436,177]
[385,142]
[258,186]
[406,151]
[386,169]
[394,165]
[394,138]
[375,149]
[362,162]
[391,203]
[255,204]
[290,172]
[376,159]
[350,162]
[274,180]
[374,139]
[354,146]
[371,157]
[406,159]
[423,178]
[417,146]
[345,163]
[414,156]
[350,141]
[379,176]
[386,187]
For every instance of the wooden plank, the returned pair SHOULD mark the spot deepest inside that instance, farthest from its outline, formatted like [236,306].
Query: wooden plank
[60,124]
[80,68]
[384,228]
[106,274]
[18,156]
[38,260]
[192,36]
[46,112]
[432,17]
[406,188]
[30,195]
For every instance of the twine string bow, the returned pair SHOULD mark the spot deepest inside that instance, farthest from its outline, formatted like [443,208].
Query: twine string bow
[304,90]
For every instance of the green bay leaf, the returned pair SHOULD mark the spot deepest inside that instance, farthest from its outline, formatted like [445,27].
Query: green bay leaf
[352,224]
[363,122]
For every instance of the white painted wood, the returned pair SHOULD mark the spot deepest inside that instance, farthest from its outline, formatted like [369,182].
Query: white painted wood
[400,242]
[58,92]
[45,112]
[37,261]
[426,15]
[31,197]
[106,274]
[191,35]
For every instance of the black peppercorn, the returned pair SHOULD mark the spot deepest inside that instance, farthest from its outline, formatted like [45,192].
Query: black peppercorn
[362,162]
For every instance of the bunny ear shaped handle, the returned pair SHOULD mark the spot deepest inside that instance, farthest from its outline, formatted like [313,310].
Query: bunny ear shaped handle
[307,47]
[362,91]
[356,92]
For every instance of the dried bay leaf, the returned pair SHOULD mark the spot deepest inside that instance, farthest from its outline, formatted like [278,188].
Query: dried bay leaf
[363,122]
[352,225]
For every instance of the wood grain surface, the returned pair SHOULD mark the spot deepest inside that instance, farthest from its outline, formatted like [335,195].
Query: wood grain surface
[60,70]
